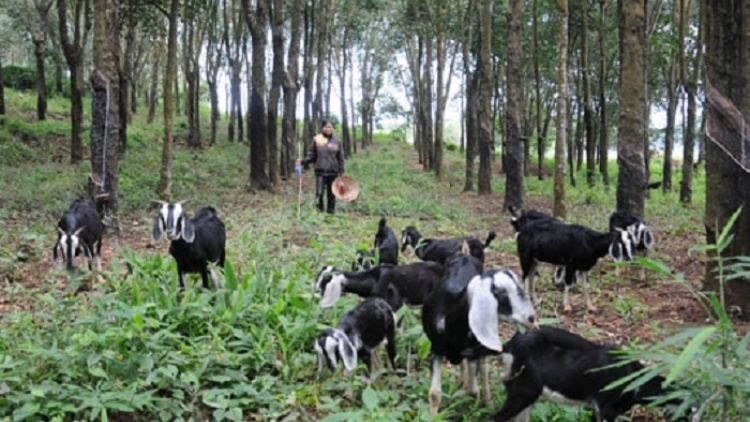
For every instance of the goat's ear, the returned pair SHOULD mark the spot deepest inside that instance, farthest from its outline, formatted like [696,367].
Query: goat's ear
[559,275]
[188,232]
[346,350]
[648,239]
[615,249]
[332,291]
[77,232]
[483,319]
[158,230]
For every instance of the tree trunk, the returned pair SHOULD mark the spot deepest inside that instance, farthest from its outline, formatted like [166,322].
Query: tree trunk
[126,75]
[603,125]
[484,67]
[514,158]
[669,130]
[170,75]
[257,130]
[560,209]
[588,113]
[73,52]
[428,135]
[154,88]
[537,85]
[40,50]
[322,40]
[277,27]
[105,120]
[2,88]
[291,90]
[631,182]
[308,130]
[727,184]
[691,85]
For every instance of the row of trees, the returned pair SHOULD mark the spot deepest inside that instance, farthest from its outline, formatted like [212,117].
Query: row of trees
[518,65]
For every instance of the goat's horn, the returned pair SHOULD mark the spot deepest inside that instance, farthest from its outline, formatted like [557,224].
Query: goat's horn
[184,201]
[61,231]
[159,201]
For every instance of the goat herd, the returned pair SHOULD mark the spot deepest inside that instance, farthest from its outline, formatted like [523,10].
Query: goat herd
[462,303]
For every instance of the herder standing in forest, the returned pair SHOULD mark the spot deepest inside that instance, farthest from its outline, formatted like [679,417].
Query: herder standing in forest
[327,154]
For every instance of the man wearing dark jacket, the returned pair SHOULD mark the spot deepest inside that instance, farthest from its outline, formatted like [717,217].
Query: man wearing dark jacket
[327,153]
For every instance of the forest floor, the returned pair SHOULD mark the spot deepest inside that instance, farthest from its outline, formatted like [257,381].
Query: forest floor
[629,307]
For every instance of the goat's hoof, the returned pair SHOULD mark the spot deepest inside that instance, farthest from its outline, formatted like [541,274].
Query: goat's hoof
[567,309]
[592,308]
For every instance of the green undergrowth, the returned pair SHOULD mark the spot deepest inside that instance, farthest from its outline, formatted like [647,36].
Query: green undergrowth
[136,346]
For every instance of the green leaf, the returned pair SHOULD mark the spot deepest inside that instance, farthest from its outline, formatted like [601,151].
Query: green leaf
[370,398]
[725,238]
[230,277]
[28,409]
[687,355]
[97,371]
[37,392]
[654,265]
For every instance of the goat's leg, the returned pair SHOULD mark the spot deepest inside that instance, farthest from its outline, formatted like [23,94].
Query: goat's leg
[516,409]
[390,347]
[585,281]
[436,388]
[529,282]
[204,277]
[465,374]
[377,365]
[472,386]
[484,376]
[566,299]
[523,416]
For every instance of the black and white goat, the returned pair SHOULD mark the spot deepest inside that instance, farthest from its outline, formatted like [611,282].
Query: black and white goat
[359,332]
[461,319]
[637,227]
[574,247]
[385,249]
[80,230]
[568,369]
[195,242]
[439,250]
[397,284]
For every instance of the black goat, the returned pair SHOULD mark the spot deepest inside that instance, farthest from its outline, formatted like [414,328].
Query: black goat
[397,284]
[80,230]
[566,368]
[461,318]
[359,332]
[574,247]
[385,249]
[195,242]
[519,221]
[439,250]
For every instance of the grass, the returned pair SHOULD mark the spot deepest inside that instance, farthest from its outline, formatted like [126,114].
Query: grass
[135,345]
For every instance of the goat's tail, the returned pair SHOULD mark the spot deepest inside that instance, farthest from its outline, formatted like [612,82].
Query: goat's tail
[383,222]
[489,240]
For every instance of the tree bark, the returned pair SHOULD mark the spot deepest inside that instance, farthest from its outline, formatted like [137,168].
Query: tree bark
[727,184]
[514,157]
[308,130]
[603,125]
[538,91]
[560,209]
[257,19]
[126,76]
[484,67]
[39,39]
[73,51]
[2,88]
[105,120]
[588,113]
[277,77]
[154,88]
[691,86]
[291,90]
[170,74]
[632,178]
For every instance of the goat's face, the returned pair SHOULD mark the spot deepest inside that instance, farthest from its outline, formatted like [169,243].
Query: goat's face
[493,295]
[333,345]
[642,235]
[623,246]
[330,284]
[174,223]
[408,237]
[68,245]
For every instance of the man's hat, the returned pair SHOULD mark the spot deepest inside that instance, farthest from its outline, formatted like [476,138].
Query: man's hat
[345,188]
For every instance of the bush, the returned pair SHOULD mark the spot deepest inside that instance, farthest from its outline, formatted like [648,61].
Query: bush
[19,77]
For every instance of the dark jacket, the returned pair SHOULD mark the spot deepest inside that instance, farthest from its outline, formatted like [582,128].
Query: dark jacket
[328,156]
